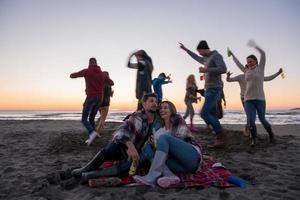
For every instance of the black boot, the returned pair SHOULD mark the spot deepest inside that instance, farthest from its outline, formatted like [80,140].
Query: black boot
[94,164]
[253,135]
[271,134]
[116,170]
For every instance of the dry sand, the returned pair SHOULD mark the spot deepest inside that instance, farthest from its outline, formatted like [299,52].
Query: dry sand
[31,150]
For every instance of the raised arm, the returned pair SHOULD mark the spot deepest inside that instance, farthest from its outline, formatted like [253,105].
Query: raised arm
[262,61]
[271,77]
[236,61]
[231,79]
[192,54]
[132,65]
[78,74]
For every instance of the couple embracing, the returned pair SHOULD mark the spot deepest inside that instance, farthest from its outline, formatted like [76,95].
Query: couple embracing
[162,138]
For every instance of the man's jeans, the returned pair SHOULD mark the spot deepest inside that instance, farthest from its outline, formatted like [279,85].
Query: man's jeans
[209,109]
[90,108]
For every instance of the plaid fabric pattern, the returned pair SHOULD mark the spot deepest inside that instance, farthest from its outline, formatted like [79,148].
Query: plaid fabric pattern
[136,128]
[207,176]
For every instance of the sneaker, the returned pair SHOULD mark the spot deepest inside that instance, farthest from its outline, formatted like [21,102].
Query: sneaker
[142,180]
[92,137]
[168,181]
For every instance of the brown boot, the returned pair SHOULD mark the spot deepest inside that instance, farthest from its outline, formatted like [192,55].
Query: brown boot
[271,134]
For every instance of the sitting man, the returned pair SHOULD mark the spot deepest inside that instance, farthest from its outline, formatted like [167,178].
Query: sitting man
[128,140]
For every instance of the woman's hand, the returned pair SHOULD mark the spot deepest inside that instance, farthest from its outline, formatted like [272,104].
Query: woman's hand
[251,43]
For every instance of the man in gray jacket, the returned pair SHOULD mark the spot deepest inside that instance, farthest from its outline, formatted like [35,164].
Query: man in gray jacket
[214,67]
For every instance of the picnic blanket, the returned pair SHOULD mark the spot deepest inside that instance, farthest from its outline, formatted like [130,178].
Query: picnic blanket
[212,174]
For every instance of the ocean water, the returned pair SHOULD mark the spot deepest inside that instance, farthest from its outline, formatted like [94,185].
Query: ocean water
[276,117]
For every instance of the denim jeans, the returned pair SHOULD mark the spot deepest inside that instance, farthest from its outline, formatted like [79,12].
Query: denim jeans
[182,156]
[209,109]
[147,152]
[90,108]
[253,106]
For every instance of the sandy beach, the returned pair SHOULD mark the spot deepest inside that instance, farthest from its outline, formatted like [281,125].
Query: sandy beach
[31,150]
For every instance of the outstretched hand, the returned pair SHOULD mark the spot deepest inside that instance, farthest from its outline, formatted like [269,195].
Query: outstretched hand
[182,46]
[229,52]
[251,43]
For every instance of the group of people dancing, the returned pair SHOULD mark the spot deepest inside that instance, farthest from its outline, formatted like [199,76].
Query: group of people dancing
[155,132]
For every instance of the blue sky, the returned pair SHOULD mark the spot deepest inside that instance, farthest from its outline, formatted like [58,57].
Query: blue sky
[43,41]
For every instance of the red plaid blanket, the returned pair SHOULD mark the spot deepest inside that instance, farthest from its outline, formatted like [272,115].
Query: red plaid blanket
[208,176]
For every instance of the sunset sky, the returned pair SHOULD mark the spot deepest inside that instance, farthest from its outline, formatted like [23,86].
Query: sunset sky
[43,41]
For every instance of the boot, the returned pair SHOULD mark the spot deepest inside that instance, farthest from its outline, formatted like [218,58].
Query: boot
[155,171]
[115,170]
[271,134]
[168,179]
[253,135]
[94,164]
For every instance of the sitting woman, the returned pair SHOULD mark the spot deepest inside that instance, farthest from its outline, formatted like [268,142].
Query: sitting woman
[175,150]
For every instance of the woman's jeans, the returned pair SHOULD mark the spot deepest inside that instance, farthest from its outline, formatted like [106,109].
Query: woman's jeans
[209,109]
[182,156]
[253,106]
[90,108]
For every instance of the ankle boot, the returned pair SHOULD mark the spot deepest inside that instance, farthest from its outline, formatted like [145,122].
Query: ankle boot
[168,178]
[94,164]
[115,170]
[155,171]
[271,134]
[253,135]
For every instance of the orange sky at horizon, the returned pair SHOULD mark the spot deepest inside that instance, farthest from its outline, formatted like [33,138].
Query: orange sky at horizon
[19,104]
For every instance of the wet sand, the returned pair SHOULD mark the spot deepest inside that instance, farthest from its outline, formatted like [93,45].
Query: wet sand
[31,150]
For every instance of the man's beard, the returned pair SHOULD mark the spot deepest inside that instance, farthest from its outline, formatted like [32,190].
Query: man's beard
[153,111]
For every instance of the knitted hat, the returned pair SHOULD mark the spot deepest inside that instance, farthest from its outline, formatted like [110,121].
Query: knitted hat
[202,45]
